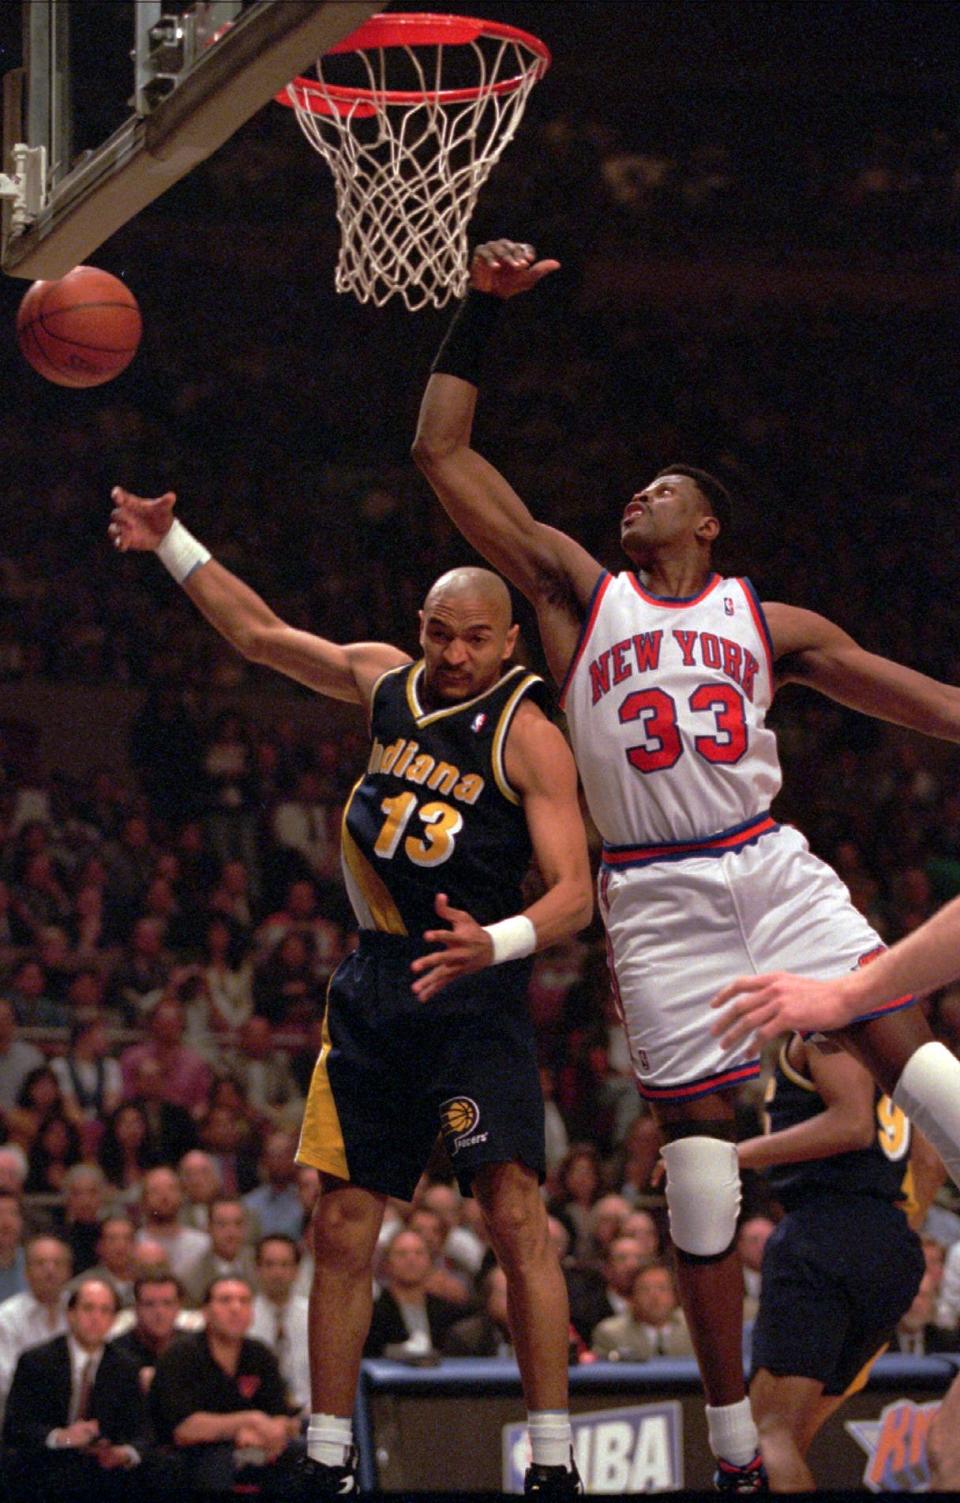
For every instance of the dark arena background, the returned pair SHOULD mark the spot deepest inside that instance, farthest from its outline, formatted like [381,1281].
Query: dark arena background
[756,207]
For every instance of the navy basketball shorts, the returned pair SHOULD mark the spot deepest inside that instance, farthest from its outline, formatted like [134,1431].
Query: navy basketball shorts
[394,1072]
[838,1272]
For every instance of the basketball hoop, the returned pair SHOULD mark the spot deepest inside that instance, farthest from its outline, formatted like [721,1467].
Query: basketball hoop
[411,143]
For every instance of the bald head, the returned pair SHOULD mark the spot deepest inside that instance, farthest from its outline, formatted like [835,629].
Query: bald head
[466,635]
[481,585]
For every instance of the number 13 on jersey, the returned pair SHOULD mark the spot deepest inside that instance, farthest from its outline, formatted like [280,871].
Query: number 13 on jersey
[441,827]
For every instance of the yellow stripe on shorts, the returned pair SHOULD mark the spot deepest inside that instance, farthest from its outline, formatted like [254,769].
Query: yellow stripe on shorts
[321,1136]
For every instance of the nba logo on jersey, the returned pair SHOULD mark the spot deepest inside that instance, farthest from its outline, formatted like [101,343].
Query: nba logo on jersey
[478,722]
[728,606]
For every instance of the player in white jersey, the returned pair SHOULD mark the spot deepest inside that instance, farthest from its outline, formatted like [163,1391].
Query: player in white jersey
[667,672]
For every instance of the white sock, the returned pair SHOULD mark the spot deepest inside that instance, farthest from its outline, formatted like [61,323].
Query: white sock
[549,1437]
[928,1091]
[329,1439]
[733,1435]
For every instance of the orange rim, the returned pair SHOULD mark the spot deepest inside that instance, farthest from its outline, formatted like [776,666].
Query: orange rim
[414,30]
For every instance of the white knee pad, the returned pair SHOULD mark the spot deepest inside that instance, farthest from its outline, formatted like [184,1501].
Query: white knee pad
[703,1194]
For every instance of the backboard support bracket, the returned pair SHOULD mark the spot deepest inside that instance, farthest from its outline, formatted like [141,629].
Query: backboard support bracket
[26,187]
[269,44]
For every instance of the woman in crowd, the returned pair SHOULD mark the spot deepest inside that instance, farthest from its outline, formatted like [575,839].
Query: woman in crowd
[38,1097]
[55,1149]
[124,1153]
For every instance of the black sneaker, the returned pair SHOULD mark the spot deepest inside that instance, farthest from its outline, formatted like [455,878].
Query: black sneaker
[555,1482]
[320,1481]
[751,1478]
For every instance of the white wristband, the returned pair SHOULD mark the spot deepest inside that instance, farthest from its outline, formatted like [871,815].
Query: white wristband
[513,938]
[181,552]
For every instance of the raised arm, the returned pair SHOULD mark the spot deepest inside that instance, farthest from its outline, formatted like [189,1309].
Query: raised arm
[239,614]
[552,570]
[540,767]
[809,649]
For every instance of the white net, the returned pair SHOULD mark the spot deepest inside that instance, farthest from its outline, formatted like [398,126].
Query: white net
[409,155]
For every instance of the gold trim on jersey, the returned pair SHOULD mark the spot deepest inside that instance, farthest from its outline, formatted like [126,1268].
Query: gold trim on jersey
[400,668]
[384,913]
[793,1074]
[321,1136]
[860,1381]
[500,736]
[424,717]
[910,1201]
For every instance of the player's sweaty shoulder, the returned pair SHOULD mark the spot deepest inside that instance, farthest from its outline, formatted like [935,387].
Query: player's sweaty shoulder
[536,752]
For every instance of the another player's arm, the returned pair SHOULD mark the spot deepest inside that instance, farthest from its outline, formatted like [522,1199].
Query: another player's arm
[928,1172]
[550,568]
[848,1121]
[540,768]
[809,649]
[246,621]
[765,1005]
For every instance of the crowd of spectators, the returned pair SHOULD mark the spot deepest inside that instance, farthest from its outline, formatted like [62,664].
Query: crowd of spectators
[167,928]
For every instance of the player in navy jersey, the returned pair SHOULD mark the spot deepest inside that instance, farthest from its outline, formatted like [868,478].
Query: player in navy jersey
[667,672]
[844,1264]
[426,1027]
[922,962]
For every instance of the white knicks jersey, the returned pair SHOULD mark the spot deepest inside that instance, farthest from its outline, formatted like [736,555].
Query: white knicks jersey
[665,701]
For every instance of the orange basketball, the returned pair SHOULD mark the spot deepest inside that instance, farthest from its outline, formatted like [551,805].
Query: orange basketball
[82,330]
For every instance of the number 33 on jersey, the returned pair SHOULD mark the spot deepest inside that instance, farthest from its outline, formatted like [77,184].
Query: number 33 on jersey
[665,701]
[434,811]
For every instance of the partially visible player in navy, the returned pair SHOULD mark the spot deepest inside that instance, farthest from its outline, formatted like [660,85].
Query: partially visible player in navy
[667,673]
[426,1027]
[760,1006]
[844,1264]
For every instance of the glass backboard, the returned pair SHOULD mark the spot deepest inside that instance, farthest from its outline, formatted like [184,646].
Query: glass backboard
[115,101]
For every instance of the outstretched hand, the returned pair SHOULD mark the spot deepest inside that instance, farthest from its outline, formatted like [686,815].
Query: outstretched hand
[763,1006]
[139,524]
[506,267]
[466,947]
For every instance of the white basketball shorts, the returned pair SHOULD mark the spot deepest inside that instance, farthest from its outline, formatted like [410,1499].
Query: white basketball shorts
[679,929]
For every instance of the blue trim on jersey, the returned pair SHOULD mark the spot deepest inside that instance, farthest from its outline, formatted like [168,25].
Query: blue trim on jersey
[585,629]
[705,589]
[867,1017]
[881,1012]
[751,591]
[722,1080]
[750,831]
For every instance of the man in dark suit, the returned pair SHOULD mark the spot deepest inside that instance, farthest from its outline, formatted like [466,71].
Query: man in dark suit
[405,1315]
[75,1424]
[157,1299]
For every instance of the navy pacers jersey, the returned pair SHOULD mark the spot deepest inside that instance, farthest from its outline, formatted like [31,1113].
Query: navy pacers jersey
[882,1170]
[434,811]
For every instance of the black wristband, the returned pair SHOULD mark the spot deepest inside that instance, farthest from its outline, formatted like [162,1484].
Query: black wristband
[461,353]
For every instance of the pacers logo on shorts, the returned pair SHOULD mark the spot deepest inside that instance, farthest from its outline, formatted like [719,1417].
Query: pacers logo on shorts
[458,1118]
